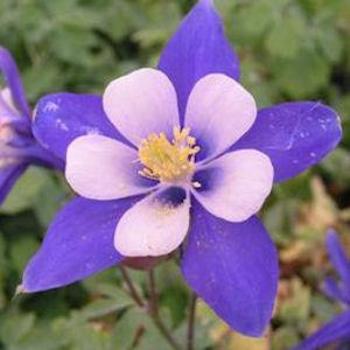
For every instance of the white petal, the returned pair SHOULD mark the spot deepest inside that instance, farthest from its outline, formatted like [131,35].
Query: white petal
[142,103]
[236,185]
[7,97]
[219,112]
[101,168]
[155,226]
[7,106]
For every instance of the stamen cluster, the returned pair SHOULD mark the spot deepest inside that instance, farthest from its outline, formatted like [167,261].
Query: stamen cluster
[167,161]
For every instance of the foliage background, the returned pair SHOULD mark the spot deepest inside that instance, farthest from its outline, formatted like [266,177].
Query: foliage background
[290,49]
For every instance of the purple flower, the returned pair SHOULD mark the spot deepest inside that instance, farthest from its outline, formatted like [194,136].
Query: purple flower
[18,148]
[191,161]
[170,164]
[337,330]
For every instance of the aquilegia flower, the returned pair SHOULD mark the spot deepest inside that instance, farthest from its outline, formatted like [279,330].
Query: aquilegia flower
[172,157]
[336,331]
[179,162]
[18,148]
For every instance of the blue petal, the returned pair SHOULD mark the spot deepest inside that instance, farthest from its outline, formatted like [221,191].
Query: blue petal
[8,178]
[338,258]
[199,47]
[79,243]
[12,77]
[234,268]
[335,331]
[334,290]
[62,117]
[294,135]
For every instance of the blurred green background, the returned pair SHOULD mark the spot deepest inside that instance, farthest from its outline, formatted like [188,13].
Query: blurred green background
[289,50]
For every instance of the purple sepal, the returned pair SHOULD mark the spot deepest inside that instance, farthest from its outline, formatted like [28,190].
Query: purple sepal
[233,268]
[79,243]
[294,135]
[40,156]
[338,257]
[18,148]
[199,47]
[8,177]
[60,118]
[341,263]
[12,77]
[336,291]
[336,331]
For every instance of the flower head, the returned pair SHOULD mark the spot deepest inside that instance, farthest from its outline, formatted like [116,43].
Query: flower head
[18,148]
[146,190]
[338,330]
[230,185]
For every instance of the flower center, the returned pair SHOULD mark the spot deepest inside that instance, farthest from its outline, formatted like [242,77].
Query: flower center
[167,161]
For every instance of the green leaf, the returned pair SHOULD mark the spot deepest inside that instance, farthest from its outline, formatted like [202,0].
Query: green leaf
[41,337]
[103,307]
[296,309]
[253,20]
[21,250]
[337,165]
[43,77]
[323,308]
[36,189]
[284,338]
[135,324]
[14,326]
[330,42]
[285,38]
[25,191]
[3,270]
[303,76]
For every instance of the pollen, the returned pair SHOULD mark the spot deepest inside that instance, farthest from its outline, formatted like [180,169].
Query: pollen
[168,161]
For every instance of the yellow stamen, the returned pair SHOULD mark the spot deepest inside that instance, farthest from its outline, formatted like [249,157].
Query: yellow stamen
[167,161]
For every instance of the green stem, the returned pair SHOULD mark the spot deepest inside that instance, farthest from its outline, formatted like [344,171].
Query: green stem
[191,323]
[133,291]
[153,306]
[154,313]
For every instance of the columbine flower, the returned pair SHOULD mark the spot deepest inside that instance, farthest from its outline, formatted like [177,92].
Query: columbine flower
[18,148]
[178,162]
[336,331]
[191,161]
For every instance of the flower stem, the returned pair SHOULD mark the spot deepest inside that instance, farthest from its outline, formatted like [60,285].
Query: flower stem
[153,306]
[133,291]
[191,323]
[154,312]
